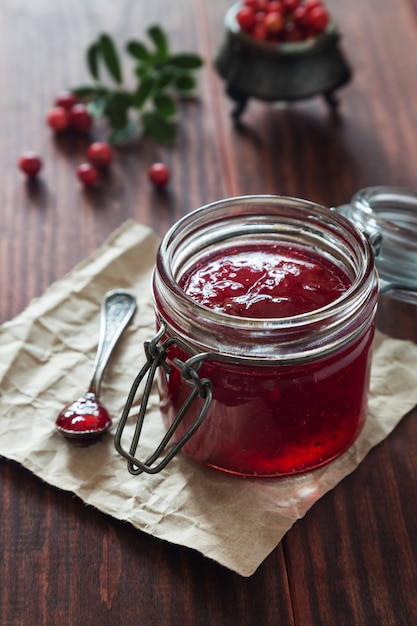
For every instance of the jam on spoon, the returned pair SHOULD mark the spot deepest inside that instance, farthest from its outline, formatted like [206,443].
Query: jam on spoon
[87,417]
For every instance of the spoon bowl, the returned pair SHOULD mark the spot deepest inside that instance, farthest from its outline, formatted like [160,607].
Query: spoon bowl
[87,417]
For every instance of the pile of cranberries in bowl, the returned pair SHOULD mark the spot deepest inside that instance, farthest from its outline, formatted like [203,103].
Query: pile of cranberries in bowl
[282,21]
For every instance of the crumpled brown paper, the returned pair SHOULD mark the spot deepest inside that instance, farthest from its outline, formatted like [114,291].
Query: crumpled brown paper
[46,358]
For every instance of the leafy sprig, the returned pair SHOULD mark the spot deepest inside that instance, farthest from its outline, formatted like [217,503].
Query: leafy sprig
[159,76]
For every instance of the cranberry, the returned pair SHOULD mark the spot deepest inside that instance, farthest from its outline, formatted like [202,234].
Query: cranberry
[30,163]
[246,18]
[58,118]
[275,6]
[300,16]
[159,174]
[100,153]
[290,5]
[312,4]
[260,32]
[274,23]
[292,33]
[80,118]
[66,100]
[87,174]
[318,18]
[259,17]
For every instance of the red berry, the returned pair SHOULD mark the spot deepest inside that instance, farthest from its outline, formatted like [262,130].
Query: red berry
[159,174]
[100,153]
[58,118]
[260,32]
[312,4]
[300,16]
[259,17]
[283,20]
[246,18]
[318,18]
[274,23]
[290,5]
[275,6]
[66,100]
[30,163]
[80,118]
[292,33]
[87,174]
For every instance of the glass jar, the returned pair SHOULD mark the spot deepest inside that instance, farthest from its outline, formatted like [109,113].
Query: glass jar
[258,396]
[388,217]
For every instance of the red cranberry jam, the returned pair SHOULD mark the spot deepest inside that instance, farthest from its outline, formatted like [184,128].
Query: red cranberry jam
[265,281]
[278,297]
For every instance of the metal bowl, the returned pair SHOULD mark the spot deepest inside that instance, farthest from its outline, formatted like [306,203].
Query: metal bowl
[280,72]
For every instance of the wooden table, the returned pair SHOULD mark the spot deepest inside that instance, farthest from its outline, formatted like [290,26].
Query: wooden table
[353,558]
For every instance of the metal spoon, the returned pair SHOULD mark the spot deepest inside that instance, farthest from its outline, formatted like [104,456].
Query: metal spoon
[87,417]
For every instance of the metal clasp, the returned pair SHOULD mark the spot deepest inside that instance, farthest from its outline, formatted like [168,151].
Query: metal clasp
[156,357]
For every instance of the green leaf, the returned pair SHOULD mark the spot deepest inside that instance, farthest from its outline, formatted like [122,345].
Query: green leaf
[186,61]
[157,74]
[138,51]
[117,106]
[92,60]
[110,57]
[165,76]
[165,105]
[142,93]
[142,71]
[85,92]
[158,127]
[160,40]
[185,83]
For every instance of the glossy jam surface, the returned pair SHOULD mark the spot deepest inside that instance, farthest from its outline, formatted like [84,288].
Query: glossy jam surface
[270,282]
[85,416]
[277,419]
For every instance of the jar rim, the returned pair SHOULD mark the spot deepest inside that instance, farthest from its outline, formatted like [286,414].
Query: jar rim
[189,318]
[265,199]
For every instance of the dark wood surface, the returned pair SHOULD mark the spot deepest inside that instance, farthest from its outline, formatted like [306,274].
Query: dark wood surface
[353,559]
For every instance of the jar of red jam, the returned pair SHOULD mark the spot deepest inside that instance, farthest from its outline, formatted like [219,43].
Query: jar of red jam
[265,311]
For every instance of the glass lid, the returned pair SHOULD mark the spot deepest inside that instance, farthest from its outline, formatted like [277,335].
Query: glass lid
[388,217]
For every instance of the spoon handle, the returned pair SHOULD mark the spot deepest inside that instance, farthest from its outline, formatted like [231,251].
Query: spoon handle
[117,310]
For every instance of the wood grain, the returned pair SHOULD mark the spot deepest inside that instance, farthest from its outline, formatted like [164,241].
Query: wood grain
[353,558]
